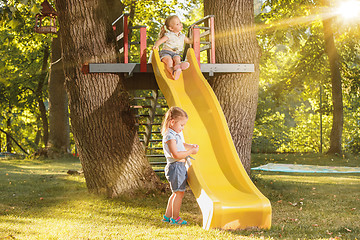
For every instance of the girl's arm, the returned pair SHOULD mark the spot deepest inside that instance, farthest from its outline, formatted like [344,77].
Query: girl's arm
[189,40]
[180,154]
[188,146]
[159,42]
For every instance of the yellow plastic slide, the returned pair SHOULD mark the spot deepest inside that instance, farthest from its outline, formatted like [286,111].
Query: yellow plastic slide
[227,197]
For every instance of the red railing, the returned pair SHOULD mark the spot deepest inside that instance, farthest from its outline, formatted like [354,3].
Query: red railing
[122,29]
[208,32]
[204,28]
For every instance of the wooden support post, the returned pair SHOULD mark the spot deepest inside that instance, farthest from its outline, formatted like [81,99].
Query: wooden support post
[126,39]
[196,36]
[143,59]
[212,39]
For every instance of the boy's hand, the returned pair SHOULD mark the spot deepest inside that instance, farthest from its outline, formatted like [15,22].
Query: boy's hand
[155,47]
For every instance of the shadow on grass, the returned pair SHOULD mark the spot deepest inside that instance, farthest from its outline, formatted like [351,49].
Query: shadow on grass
[37,190]
[31,185]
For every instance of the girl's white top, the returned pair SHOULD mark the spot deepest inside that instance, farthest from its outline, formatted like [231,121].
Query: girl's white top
[175,42]
[179,138]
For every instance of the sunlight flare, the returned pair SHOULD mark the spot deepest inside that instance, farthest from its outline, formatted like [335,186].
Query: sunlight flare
[349,9]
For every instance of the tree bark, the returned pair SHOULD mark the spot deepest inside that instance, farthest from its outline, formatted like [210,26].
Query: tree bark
[8,138]
[334,61]
[59,135]
[238,92]
[38,132]
[110,152]
[39,97]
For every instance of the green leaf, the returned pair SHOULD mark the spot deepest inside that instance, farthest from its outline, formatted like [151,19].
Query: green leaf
[14,23]
[35,9]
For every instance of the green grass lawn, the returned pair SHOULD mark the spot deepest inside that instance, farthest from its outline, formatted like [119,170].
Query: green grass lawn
[39,200]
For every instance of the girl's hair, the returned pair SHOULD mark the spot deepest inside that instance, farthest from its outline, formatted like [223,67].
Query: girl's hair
[172,113]
[166,26]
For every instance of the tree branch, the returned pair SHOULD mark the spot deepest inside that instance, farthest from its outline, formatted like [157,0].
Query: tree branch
[14,141]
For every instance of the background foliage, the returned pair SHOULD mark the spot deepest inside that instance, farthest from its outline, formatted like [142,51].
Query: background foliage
[22,52]
[295,79]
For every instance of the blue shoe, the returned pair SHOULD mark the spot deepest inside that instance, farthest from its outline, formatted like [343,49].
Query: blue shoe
[178,221]
[166,219]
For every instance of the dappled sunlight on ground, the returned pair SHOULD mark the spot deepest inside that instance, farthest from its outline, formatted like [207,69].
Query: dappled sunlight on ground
[41,201]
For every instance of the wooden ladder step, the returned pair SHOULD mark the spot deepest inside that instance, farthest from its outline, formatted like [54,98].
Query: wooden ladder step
[154,132]
[157,163]
[152,140]
[148,106]
[144,98]
[154,148]
[155,156]
[147,115]
[153,124]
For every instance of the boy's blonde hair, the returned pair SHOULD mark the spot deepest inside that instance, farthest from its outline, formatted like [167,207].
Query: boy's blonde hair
[166,26]
[172,113]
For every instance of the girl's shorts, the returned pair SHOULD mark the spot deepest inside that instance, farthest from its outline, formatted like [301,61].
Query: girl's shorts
[176,174]
[164,53]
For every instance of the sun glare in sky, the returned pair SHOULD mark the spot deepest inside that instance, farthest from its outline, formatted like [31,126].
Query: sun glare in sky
[349,9]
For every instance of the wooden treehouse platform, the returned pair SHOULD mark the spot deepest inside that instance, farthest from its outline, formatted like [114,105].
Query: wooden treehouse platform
[140,75]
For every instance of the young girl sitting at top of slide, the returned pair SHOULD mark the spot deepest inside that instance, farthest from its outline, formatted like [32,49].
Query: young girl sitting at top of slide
[173,40]
[176,151]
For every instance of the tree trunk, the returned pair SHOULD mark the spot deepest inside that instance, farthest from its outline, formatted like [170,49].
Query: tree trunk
[110,152]
[8,138]
[238,92]
[38,132]
[39,96]
[59,135]
[334,61]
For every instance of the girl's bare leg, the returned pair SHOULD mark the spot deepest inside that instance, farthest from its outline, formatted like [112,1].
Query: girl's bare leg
[177,200]
[177,62]
[168,64]
[177,69]
[180,65]
[169,208]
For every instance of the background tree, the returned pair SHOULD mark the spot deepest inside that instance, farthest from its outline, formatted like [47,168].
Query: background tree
[238,92]
[23,72]
[334,63]
[39,93]
[296,74]
[59,135]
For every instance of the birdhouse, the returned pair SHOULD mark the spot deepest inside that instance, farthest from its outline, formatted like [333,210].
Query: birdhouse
[45,22]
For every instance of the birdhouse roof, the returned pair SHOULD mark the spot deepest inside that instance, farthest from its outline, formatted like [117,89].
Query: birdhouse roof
[47,9]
